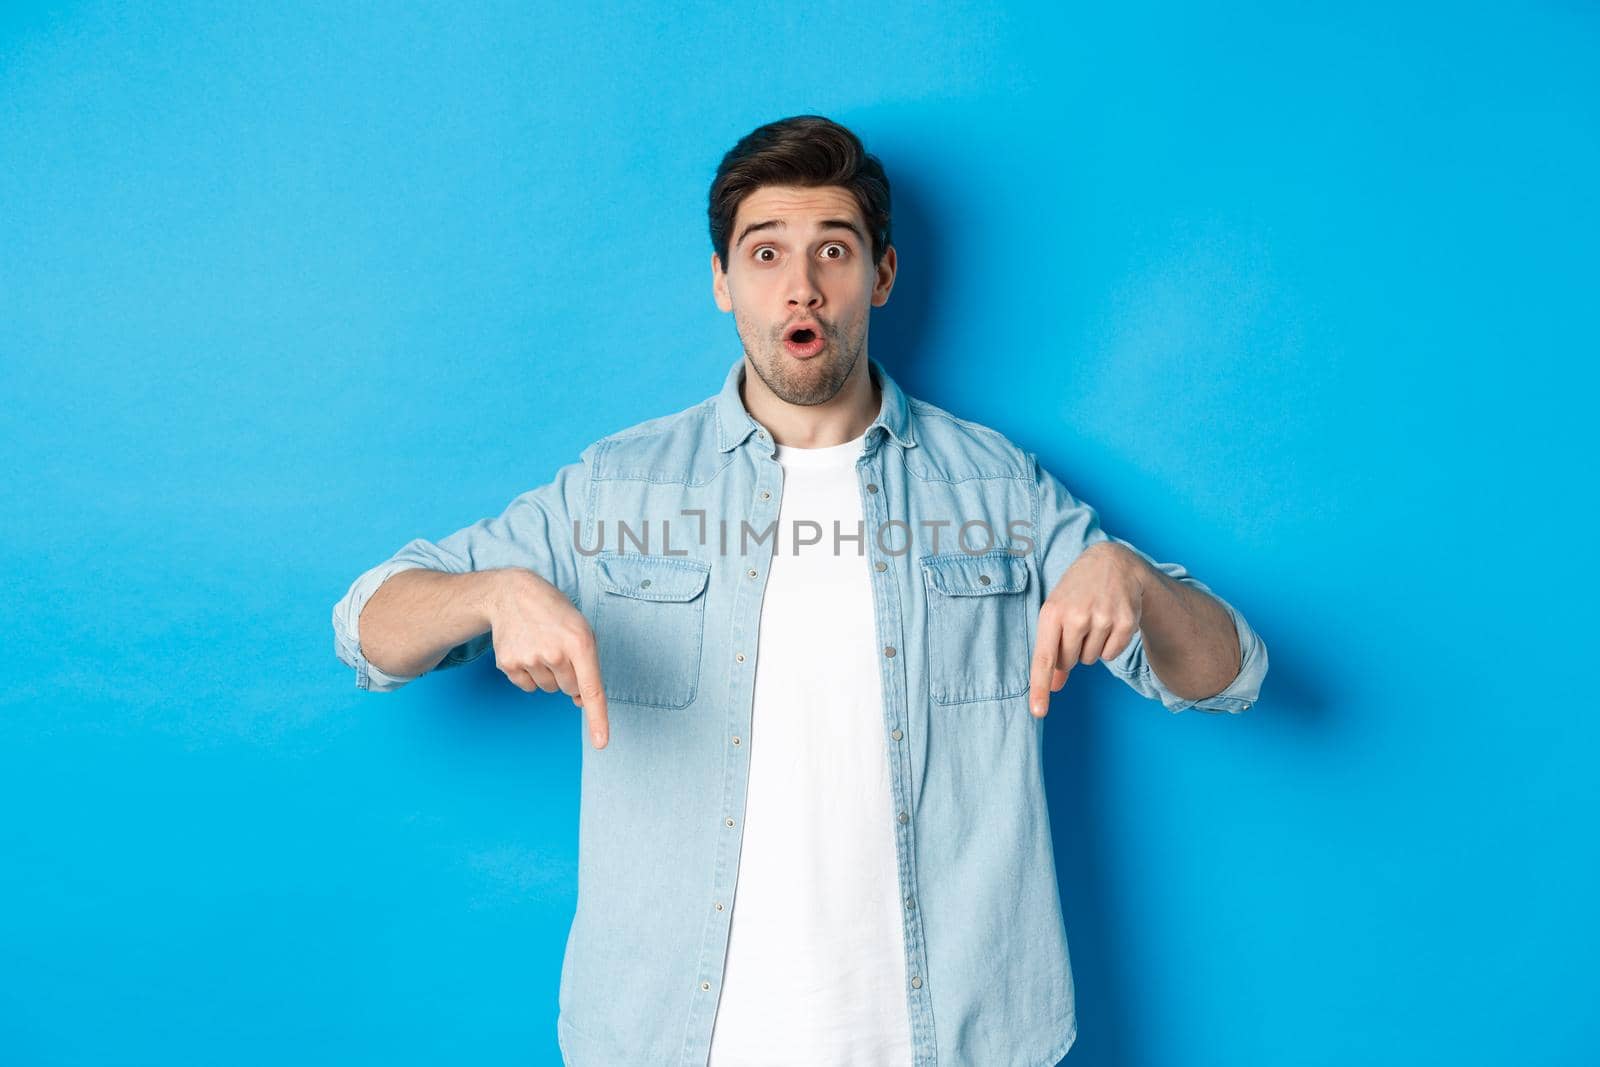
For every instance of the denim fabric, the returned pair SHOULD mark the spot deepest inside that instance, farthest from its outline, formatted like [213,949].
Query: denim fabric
[676,609]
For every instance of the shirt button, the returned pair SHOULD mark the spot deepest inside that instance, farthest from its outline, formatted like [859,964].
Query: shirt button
[903,817]
[645,584]
[739,656]
[983,579]
[765,495]
[719,905]
[761,433]
[880,566]
[872,487]
[1247,703]
[896,734]
[727,822]
[751,572]
[910,903]
[916,981]
[736,739]
[705,985]
[888,650]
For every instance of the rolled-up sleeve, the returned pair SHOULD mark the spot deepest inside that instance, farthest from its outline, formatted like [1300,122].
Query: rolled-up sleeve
[535,531]
[1065,526]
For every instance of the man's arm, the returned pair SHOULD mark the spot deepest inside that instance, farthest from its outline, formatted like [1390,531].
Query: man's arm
[510,582]
[541,640]
[418,615]
[1160,630]
[1190,641]
[533,533]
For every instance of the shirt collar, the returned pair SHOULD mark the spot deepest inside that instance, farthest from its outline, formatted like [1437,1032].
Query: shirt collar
[734,423]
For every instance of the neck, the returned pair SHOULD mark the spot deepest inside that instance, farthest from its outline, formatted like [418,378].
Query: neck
[843,418]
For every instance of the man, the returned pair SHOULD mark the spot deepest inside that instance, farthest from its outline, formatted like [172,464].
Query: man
[806,620]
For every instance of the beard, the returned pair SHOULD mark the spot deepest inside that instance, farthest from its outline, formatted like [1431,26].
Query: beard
[804,381]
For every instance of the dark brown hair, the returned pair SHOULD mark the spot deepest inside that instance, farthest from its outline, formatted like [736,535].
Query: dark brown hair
[804,150]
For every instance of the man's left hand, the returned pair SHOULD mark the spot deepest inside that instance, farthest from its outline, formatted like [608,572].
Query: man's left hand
[1091,614]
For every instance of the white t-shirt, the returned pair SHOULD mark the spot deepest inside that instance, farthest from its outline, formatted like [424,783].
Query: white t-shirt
[815,973]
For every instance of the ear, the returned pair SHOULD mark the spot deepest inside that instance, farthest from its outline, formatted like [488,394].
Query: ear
[719,284]
[884,280]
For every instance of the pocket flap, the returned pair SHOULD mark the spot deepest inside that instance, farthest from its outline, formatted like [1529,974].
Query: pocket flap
[646,577]
[960,574]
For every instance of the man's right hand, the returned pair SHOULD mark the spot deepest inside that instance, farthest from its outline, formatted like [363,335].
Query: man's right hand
[542,641]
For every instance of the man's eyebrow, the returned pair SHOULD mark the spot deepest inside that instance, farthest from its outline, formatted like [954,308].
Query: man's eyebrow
[826,224]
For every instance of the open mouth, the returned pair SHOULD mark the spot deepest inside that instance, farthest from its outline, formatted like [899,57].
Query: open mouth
[803,342]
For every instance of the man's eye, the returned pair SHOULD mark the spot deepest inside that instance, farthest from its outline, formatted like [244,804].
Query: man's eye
[761,251]
[843,251]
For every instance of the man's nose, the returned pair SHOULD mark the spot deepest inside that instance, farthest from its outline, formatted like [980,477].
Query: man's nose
[803,288]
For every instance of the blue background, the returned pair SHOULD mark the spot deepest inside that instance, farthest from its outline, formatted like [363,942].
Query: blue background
[1302,300]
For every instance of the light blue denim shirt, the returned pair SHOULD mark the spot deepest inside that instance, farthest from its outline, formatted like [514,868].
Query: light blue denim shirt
[675,605]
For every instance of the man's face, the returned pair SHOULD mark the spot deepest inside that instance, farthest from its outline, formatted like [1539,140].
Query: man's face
[801,257]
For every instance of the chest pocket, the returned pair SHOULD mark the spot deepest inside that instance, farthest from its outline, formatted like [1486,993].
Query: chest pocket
[649,621]
[979,638]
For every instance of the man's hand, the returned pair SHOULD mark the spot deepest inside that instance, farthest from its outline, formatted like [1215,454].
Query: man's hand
[542,641]
[1092,613]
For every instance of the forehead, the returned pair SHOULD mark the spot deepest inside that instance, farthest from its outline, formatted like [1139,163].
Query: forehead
[798,206]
